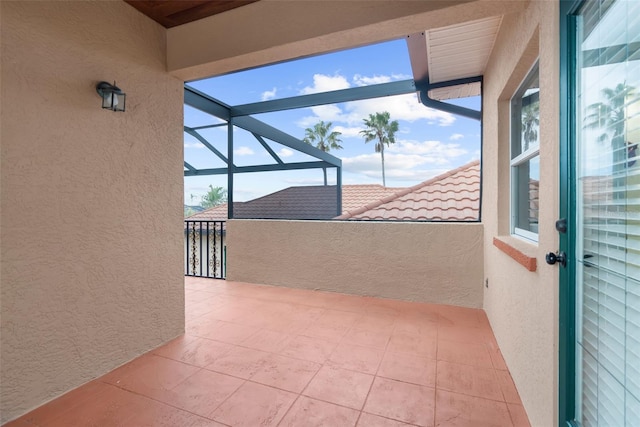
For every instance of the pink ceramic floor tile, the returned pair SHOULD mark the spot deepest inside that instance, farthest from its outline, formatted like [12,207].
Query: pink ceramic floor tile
[453,409]
[417,325]
[329,333]
[113,407]
[400,401]
[509,390]
[518,415]
[286,373]
[408,368]
[356,358]
[424,346]
[239,362]
[156,414]
[339,386]
[315,413]
[471,380]
[254,405]
[468,353]
[465,334]
[80,396]
[452,315]
[228,332]
[496,356]
[203,392]
[327,346]
[156,376]
[370,420]
[199,351]
[367,338]
[266,340]
[381,323]
[308,348]
[337,318]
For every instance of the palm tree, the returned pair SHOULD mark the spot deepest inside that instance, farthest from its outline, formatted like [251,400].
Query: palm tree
[320,137]
[380,129]
[530,123]
[214,197]
[611,117]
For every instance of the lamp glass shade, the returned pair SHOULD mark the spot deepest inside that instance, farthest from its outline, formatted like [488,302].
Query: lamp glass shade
[112,97]
[114,101]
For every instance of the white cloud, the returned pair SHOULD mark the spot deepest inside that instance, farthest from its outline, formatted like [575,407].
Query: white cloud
[310,181]
[285,152]
[456,136]
[360,80]
[398,167]
[327,113]
[325,83]
[193,145]
[347,132]
[434,149]
[269,94]
[243,151]
[406,160]
[401,107]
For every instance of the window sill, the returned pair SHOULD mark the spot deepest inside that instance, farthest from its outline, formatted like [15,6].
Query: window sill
[519,250]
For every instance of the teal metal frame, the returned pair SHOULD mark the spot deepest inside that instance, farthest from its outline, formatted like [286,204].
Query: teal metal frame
[567,279]
[240,116]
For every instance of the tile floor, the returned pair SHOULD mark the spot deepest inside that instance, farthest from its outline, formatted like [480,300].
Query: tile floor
[267,356]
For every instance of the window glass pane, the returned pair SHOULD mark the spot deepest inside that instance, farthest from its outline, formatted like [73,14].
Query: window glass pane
[526,178]
[525,108]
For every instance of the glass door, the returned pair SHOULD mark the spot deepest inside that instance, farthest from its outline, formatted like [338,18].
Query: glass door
[604,132]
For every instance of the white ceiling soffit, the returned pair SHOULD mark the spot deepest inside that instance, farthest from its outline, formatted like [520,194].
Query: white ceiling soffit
[460,51]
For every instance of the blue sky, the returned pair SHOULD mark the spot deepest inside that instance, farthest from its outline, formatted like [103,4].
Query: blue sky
[429,142]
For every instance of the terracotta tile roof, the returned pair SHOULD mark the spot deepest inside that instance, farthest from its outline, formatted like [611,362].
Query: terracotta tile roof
[452,196]
[216,213]
[307,202]
[356,196]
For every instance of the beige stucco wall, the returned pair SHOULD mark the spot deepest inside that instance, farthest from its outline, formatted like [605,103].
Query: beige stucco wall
[91,220]
[522,306]
[439,263]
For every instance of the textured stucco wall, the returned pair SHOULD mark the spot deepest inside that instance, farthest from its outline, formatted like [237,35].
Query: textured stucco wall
[91,220]
[522,306]
[439,263]
[272,30]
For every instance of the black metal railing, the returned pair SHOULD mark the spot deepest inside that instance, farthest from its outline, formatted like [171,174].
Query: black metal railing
[205,249]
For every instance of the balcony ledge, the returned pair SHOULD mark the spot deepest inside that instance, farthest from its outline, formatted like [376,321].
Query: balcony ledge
[524,253]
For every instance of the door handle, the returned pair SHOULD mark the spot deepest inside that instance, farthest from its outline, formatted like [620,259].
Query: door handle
[559,257]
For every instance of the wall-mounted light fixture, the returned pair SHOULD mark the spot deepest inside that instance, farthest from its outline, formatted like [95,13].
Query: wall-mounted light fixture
[113,98]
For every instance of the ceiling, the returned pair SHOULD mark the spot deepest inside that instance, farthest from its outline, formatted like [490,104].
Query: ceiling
[437,55]
[171,13]
[450,53]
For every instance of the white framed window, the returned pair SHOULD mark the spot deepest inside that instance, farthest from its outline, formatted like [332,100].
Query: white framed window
[525,157]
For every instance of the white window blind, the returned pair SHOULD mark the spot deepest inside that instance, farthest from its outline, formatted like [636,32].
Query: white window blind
[608,198]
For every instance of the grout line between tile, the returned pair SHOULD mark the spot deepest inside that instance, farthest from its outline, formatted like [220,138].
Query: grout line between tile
[168,404]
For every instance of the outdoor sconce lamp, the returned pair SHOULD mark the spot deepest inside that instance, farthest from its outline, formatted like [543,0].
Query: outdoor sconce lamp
[113,98]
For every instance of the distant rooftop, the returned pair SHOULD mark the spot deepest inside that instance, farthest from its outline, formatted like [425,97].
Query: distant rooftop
[452,196]
[305,202]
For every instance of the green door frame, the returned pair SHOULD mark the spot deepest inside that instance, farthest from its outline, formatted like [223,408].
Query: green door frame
[567,280]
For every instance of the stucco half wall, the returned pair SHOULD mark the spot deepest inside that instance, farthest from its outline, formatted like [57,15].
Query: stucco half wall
[427,262]
[91,216]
